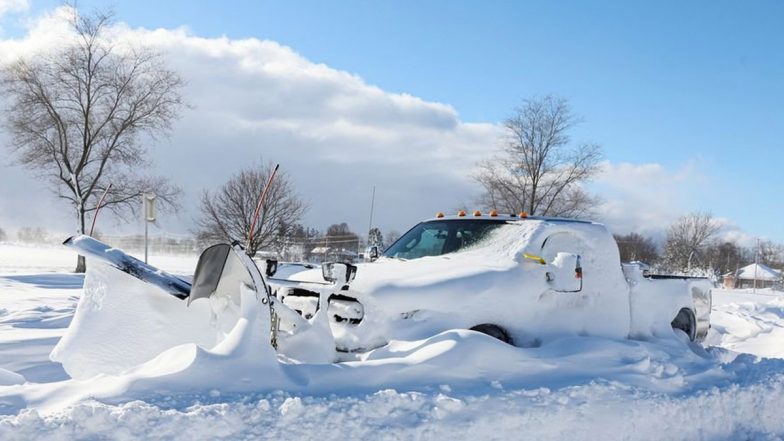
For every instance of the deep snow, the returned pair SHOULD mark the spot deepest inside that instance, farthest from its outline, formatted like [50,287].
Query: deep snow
[455,385]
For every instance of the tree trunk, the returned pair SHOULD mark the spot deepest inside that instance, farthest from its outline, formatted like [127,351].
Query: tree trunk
[81,265]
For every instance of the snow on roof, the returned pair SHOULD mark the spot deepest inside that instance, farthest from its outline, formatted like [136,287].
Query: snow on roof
[343,251]
[758,271]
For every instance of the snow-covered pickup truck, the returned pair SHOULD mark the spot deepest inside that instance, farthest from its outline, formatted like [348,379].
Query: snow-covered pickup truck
[523,280]
[519,279]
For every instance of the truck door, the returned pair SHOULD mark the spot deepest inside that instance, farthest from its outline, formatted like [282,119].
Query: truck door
[562,253]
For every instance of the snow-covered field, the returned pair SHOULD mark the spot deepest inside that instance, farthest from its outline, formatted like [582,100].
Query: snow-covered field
[455,385]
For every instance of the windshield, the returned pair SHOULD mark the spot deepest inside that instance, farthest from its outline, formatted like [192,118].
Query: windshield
[436,238]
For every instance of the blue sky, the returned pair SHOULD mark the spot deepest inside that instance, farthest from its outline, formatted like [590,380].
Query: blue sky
[682,84]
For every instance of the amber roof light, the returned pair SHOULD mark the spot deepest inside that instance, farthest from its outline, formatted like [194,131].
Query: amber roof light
[523,214]
[461,213]
[477,213]
[439,215]
[493,213]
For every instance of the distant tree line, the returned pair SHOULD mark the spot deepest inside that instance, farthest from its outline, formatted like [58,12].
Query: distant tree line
[305,244]
[692,245]
[33,235]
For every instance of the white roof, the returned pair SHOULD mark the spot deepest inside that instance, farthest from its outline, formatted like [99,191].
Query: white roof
[759,272]
[322,250]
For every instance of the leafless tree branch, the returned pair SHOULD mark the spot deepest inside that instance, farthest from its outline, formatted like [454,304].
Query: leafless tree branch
[689,240]
[539,172]
[227,213]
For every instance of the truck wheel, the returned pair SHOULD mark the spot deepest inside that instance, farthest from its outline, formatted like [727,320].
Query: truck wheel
[686,322]
[494,331]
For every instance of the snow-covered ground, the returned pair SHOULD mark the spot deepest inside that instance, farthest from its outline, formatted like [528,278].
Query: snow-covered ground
[455,385]
[749,322]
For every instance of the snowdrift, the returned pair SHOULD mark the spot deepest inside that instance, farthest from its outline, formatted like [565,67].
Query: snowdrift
[454,385]
[128,340]
[132,339]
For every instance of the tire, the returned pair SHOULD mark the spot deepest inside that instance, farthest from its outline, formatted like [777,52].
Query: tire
[494,331]
[686,322]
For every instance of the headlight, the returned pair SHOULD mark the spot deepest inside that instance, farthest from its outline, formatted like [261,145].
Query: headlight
[338,272]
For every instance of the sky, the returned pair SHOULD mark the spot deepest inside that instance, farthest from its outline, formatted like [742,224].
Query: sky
[686,99]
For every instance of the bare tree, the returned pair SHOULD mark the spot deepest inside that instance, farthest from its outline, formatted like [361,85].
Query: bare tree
[340,238]
[227,214]
[727,257]
[635,247]
[76,115]
[770,253]
[688,240]
[540,171]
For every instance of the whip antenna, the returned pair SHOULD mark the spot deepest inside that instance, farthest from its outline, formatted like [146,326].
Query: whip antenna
[259,204]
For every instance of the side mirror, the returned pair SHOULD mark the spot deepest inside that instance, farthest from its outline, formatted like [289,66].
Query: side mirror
[565,273]
[373,253]
[272,267]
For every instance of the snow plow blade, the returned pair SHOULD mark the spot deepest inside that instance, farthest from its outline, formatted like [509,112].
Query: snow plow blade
[93,248]
[221,270]
[223,274]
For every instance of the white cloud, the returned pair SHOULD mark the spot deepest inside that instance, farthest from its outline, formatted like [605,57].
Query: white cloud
[334,133]
[7,6]
[647,197]
[731,232]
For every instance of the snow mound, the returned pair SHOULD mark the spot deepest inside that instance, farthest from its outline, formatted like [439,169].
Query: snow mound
[748,323]
[8,378]
[122,322]
[599,410]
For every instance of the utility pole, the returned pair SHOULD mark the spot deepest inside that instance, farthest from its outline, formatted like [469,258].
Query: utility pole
[756,265]
[370,222]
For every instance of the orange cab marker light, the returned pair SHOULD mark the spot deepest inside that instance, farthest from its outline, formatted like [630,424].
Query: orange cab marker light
[461,213]
[477,213]
[523,214]
[493,213]
[439,215]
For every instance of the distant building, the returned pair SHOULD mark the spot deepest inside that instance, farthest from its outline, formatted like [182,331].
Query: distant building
[765,277]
